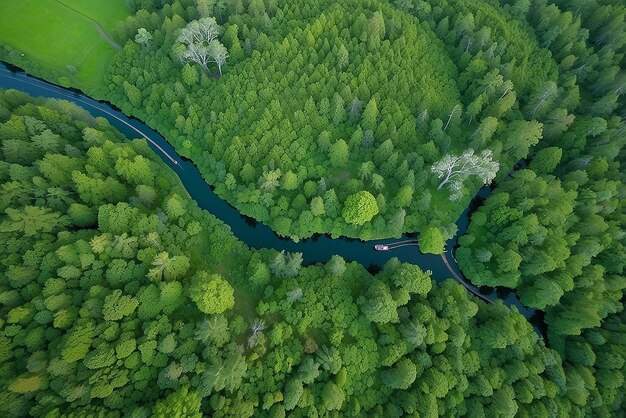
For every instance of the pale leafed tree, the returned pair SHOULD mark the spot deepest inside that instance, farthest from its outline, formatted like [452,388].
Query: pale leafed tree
[286,265]
[423,117]
[413,333]
[354,109]
[199,31]
[186,35]
[454,169]
[124,246]
[548,90]
[343,58]
[294,263]
[159,264]
[378,182]
[269,180]
[205,7]
[257,328]
[197,53]
[218,54]
[154,239]
[278,264]
[321,186]
[201,45]
[143,37]
[294,295]
[100,243]
[366,170]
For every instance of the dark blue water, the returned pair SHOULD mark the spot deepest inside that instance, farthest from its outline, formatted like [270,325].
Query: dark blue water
[254,234]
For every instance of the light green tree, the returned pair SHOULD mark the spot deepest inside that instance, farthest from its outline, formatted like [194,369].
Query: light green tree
[32,220]
[339,154]
[359,208]
[317,206]
[180,404]
[211,293]
[117,305]
[431,241]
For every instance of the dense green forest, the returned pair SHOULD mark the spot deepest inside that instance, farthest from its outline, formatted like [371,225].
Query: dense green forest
[554,231]
[119,296]
[324,100]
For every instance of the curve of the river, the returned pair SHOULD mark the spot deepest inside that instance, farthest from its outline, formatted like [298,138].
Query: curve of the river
[257,235]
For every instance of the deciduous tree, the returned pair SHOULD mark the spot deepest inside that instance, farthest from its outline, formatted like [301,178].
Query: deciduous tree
[454,169]
[359,208]
[211,293]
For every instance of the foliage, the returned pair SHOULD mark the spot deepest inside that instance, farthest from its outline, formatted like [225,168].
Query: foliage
[454,169]
[99,316]
[179,404]
[431,241]
[359,208]
[211,292]
[200,44]
[336,98]
[328,109]
[552,231]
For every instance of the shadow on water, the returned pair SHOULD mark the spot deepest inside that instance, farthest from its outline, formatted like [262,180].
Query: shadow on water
[318,248]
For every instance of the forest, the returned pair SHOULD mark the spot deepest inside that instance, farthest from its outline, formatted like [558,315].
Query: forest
[123,297]
[554,230]
[120,297]
[321,104]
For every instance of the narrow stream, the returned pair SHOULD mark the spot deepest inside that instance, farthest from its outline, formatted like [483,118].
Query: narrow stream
[257,235]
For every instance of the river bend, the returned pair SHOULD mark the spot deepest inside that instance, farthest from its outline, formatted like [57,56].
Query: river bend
[257,235]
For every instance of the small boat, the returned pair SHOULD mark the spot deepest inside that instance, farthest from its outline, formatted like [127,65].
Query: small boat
[381,247]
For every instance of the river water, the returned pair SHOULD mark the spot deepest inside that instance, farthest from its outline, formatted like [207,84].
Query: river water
[257,235]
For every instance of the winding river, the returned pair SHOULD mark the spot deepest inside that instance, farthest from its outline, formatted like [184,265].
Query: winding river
[257,235]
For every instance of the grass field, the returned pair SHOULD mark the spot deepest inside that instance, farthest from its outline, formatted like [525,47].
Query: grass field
[54,36]
[106,12]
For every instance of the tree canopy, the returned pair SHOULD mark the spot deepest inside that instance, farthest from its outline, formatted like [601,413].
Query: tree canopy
[318,103]
[359,208]
[120,297]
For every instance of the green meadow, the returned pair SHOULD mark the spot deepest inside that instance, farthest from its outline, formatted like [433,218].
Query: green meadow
[106,12]
[58,35]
